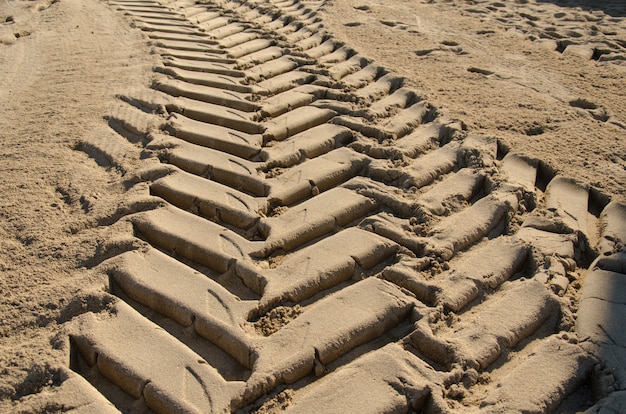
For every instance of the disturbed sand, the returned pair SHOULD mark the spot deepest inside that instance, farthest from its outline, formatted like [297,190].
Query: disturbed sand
[546,79]
[495,65]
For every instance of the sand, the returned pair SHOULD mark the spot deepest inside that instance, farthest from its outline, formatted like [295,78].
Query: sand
[495,65]
[58,78]
[544,80]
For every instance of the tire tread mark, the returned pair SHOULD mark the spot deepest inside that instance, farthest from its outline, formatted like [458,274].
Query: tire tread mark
[431,192]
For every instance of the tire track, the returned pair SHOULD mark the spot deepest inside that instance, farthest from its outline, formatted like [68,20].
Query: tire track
[304,191]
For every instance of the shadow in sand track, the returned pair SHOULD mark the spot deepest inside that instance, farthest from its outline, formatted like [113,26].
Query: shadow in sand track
[611,7]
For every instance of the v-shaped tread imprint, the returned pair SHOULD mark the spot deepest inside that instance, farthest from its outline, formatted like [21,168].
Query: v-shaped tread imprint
[334,239]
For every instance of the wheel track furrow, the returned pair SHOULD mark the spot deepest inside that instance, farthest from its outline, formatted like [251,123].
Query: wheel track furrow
[165,20]
[219,138]
[520,392]
[444,239]
[423,139]
[210,199]
[399,99]
[234,119]
[210,25]
[186,296]
[147,13]
[296,32]
[262,56]
[308,144]
[422,171]
[295,121]
[397,126]
[322,265]
[284,102]
[458,188]
[570,201]
[145,362]
[238,39]
[208,79]
[613,228]
[271,69]
[189,236]
[520,170]
[205,162]
[479,342]
[199,14]
[470,278]
[308,182]
[395,378]
[323,49]
[164,28]
[340,54]
[189,49]
[227,30]
[462,230]
[333,326]
[201,62]
[313,218]
[205,94]
[314,176]
[249,47]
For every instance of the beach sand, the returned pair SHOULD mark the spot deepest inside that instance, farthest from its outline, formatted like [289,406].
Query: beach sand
[539,79]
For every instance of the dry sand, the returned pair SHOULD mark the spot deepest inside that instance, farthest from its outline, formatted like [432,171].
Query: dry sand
[57,80]
[493,65]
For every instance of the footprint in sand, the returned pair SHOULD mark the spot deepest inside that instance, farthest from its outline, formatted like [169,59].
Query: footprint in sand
[447,46]
[597,112]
